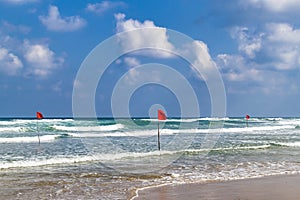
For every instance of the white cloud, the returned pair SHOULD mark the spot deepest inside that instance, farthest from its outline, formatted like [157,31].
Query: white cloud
[131,61]
[9,63]
[236,68]
[77,84]
[55,22]
[118,61]
[196,51]
[20,1]
[247,77]
[102,7]
[133,75]
[57,87]
[247,44]
[282,45]
[277,44]
[8,27]
[275,5]
[22,57]
[283,32]
[42,60]
[143,37]
[267,60]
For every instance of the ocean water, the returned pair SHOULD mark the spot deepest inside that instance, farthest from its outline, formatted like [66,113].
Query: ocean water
[111,158]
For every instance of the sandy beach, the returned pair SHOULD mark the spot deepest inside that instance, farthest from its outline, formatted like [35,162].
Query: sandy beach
[272,187]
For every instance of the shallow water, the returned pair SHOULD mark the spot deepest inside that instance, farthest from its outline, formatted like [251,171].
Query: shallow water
[110,158]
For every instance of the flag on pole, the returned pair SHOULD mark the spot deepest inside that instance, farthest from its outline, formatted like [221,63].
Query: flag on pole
[39,115]
[161,115]
[247,118]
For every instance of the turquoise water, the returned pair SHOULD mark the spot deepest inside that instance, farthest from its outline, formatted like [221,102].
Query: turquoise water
[110,158]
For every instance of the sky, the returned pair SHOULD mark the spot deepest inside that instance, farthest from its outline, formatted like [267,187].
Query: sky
[254,45]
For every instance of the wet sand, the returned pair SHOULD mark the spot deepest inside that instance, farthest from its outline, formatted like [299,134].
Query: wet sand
[272,187]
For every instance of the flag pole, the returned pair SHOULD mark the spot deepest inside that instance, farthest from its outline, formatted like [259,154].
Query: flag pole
[38,132]
[247,118]
[39,115]
[158,138]
[160,116]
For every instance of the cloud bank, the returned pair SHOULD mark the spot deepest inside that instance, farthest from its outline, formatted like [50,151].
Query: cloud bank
[9,63]
[100,8]
[274,5]
[18,2]
[55,22]
[267,57]
[197,50]
[42,61]
[143,37]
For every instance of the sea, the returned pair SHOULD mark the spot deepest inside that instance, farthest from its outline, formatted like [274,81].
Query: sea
[113,158]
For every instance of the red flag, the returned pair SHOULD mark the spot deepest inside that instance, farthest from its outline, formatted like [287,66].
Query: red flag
[247,117]
[39,115]
[161,115]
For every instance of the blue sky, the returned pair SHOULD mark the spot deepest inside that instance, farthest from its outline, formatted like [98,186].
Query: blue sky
[255,45]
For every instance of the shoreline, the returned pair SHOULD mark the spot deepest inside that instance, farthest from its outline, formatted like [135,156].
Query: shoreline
[274,187]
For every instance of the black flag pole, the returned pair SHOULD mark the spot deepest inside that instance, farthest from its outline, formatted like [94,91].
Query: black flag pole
[247,118]
[158,137]
[160,116]
[38,132]
[39,116]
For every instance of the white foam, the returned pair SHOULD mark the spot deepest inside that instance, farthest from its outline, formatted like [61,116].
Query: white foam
[289,144]
[113,127]
[109,157]
[139,133]
[189,119]
[57,120]
[46,120]
[214,118]
[227,130]
[153,132]
[11,129]
[294,122]
[256,128]
[180,120]
[228,148]
[43,138]
[274,119]
[4,123]
[42,162]
[75,159]
[170,120]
